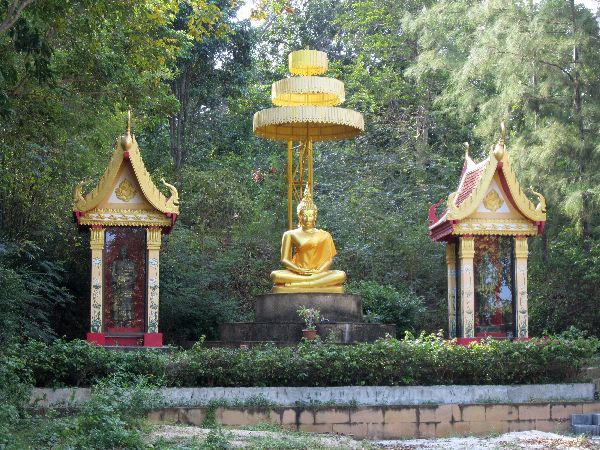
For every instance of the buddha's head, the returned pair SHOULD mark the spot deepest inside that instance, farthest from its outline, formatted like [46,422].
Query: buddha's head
[307,210]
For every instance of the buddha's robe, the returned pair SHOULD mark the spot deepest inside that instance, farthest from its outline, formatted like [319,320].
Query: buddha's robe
[316,251]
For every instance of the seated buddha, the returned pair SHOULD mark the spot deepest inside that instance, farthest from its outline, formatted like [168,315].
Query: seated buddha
[307,253]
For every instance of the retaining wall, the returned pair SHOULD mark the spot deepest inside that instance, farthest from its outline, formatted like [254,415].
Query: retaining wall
[395,422]
[358,395]
[374,412]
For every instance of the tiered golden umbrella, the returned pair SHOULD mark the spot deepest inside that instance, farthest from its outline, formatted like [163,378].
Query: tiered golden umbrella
[306,111]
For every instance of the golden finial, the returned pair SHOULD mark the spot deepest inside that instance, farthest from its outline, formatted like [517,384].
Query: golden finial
[126,139]
[500,147]
[466,145]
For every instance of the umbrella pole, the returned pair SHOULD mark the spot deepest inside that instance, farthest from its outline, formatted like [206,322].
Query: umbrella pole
[290,177]
[309,157]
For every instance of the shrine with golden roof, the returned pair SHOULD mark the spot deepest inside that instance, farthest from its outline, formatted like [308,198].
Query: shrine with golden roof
[126,215]
[486,225]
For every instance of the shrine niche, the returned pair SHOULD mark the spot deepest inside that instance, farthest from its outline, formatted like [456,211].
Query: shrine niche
[126,215]
[485,225]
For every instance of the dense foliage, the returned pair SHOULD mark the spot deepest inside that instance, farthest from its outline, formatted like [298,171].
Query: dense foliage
[104,421]
[427,74]
[427,360]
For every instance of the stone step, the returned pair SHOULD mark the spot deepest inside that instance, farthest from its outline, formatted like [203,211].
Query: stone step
[290,332]
[586,424]
[585,419]
[592,430]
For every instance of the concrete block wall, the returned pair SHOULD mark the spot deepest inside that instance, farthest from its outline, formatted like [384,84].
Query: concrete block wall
[396,422]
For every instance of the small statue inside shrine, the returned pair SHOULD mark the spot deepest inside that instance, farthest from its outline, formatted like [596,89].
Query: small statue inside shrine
[123,283]
[307,253]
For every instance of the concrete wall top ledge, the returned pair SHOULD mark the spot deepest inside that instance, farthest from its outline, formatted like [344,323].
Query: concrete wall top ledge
[345,395]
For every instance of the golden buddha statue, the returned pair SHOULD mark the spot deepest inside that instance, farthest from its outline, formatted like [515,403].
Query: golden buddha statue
[307,253]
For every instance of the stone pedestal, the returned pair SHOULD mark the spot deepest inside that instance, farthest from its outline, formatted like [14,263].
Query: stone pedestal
[277,320]
[284,307]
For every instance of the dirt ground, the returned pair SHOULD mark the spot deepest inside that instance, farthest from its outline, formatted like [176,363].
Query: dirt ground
[527,440]
[524,440]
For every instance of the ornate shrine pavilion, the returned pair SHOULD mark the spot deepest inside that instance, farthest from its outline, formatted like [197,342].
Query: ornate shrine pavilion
[126,215]
[485,225]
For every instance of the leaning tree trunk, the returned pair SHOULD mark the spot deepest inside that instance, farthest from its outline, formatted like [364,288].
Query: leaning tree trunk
[585,214]
[178,123]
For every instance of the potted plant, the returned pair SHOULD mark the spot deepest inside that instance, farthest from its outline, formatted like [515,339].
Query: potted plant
[311,317]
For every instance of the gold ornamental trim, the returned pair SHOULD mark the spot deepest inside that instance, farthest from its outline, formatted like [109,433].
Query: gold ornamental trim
[308,62]
[450,254]
[97,238]
[505,227]
[319,123]
[151,192]
[153,238]
[125,217]
[466,248]
[316,91]
[521,247]
[537,213]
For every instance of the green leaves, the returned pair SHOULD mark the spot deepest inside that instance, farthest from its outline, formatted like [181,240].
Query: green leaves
[426,360]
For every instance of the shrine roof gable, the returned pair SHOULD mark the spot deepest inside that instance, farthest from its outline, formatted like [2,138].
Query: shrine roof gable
[489,181]
[126,178]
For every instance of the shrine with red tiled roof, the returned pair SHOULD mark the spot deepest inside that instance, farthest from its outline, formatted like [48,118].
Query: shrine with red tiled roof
[485,225]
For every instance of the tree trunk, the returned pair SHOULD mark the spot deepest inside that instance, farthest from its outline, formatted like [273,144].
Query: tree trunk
[583,159]
[178,123]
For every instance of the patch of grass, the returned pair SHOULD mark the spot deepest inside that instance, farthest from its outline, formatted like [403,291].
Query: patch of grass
[256,401]
[265,426]
[317,404]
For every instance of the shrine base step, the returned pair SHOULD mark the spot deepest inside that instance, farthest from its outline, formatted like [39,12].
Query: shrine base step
[291,332]
[284,307]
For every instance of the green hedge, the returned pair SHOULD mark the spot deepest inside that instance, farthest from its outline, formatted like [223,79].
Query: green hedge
[428,360]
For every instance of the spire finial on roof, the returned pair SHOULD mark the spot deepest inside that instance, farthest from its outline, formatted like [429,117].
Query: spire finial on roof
[129,120]
[500,147]
[466,145]
[126,139]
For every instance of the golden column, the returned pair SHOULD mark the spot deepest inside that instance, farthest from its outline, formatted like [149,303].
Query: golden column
[153,242]
[97,247]
[521,252]
[451,263]
[306,111]
[466,253]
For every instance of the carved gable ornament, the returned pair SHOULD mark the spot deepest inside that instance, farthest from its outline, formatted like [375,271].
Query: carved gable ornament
[126,191]
[493,201]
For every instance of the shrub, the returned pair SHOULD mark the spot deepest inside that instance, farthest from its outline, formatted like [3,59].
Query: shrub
[388,304]
[113,416]
[15,387]
[426,360]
